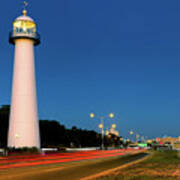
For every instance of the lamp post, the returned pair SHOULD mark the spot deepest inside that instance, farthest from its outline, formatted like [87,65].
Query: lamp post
[114,126]
[121,139]
[137,137]
[101,126]
[131,133]
[107,132]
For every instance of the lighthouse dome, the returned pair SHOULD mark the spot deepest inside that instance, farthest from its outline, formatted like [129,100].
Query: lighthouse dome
[24,27]
[24,18]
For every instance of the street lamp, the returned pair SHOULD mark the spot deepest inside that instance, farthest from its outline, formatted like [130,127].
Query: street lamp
[137,137]
[131,132]
[113,126]
[91,115]
[107,132]
[128,141]
[111,115]
[101,126]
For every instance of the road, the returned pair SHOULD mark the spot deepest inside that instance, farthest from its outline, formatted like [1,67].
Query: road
[63,166]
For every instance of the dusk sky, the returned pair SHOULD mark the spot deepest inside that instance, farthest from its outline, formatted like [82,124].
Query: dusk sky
[102,56]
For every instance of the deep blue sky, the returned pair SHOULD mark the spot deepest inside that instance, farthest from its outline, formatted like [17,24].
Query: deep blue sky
[102,56]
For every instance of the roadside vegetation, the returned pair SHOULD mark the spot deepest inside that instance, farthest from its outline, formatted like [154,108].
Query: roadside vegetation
[162,165]
[55,135]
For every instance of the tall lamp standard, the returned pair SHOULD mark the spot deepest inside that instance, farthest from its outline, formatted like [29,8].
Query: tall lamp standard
[101,126]
[131,133]
[137,137]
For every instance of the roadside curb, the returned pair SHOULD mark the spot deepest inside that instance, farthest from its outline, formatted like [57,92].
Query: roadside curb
[104,173]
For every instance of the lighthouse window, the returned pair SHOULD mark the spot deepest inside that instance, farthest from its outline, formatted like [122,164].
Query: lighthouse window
[24,24]
[24,27]
[29,31]
[20,30]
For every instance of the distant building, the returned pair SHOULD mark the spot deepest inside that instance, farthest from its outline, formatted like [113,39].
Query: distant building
[169,140]
[114,132]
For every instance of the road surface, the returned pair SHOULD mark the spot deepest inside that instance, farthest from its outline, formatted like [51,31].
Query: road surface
[63,166]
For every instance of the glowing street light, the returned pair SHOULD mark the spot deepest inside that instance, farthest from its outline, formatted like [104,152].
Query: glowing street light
[111,115]
[113,126]
[131,132]
[107,132]
[121,139]
[101,126]
[92,115]
[137,137]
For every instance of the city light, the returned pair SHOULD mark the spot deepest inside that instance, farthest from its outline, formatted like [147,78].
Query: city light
[100,126]
[113,126]
[92,115]
[111,115]
[107,132]
[131,132]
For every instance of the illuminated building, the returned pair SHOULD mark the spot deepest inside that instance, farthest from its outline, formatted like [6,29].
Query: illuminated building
[170,140]
[23,123]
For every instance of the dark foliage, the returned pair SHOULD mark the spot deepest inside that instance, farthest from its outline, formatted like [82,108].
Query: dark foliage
[4,123]
[53,134]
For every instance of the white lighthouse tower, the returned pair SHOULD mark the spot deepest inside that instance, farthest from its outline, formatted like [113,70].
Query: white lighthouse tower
[23,123]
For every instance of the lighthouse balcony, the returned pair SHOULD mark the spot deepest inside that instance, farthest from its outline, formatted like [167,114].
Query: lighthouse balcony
[13,35]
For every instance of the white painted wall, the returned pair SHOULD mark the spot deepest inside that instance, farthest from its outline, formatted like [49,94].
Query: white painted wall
[24,125]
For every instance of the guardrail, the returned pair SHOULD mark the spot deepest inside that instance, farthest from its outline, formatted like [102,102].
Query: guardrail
[83,149]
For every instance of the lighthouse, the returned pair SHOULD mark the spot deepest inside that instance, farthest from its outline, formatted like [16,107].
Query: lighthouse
[23,122]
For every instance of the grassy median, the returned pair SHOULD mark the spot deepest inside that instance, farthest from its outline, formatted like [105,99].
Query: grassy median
[164,165]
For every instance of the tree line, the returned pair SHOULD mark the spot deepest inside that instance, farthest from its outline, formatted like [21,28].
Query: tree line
[54,134]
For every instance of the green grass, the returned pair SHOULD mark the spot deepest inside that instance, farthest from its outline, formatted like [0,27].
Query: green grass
[160,166]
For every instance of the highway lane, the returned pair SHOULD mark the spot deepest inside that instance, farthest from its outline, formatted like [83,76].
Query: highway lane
[68,171]
[36,160]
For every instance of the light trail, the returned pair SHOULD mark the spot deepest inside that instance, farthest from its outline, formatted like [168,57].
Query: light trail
[34,160]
